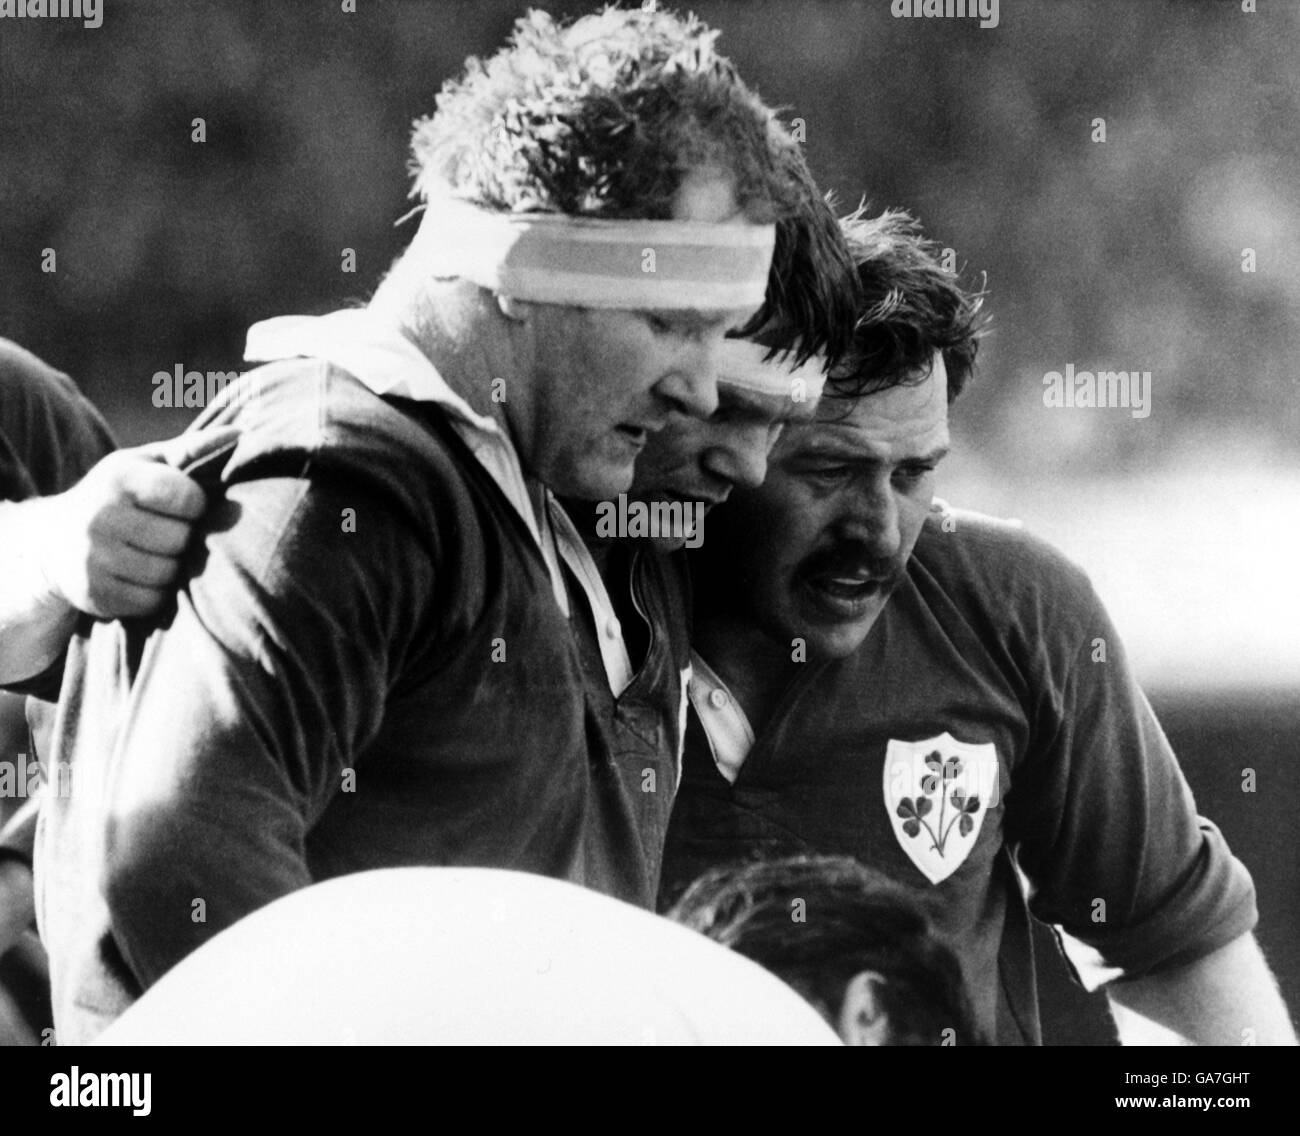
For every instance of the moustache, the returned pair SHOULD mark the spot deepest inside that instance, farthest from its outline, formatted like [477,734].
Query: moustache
[851,559]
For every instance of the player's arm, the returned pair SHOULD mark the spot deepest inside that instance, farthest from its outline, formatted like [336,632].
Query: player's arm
[1228,997]
[1110,838]
[109,546]
[248,708]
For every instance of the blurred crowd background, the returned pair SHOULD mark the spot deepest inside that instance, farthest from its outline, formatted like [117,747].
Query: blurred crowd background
[1122,254]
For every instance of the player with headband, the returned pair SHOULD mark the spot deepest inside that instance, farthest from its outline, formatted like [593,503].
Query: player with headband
[372,661]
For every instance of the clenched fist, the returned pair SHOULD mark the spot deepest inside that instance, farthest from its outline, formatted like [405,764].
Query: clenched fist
[112,544]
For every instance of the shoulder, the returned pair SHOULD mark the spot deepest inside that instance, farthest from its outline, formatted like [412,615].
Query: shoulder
[50,434]
[321,528]
[1000,568]
[326,472]
[311,421]
[988,548]
[312,406]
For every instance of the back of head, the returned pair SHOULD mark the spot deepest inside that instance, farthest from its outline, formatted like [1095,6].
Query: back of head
[818,921]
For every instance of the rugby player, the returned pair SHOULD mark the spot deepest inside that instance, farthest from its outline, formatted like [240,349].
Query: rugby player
[859,947]
[941,696]
[693,463]
[84,528]
[371,661]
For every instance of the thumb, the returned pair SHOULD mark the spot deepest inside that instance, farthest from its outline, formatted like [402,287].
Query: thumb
[193,448]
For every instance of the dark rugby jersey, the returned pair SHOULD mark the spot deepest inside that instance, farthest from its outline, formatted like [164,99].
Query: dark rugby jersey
[50,435]
[366,668]
[988,723]
[641,730]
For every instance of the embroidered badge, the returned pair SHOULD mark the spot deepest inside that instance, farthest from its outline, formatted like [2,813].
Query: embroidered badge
[937,792]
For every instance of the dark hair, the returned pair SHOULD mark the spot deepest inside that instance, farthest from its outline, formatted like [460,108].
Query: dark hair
[812,302]
[854,919]
[911,307]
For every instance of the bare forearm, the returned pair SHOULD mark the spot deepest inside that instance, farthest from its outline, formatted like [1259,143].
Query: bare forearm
[1227,998]
[35,620]
[109,546]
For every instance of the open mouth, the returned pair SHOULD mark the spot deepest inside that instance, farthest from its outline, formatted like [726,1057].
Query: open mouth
[845,595]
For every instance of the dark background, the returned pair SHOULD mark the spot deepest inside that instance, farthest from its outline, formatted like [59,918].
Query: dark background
[1123,254]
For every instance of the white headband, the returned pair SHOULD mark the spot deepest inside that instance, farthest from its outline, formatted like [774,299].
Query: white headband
[554,258]
[742,364]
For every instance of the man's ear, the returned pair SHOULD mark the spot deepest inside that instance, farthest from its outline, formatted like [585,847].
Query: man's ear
[863,1020]
[512,308]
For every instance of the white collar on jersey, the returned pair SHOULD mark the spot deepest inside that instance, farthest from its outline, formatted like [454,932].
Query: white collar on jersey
[730,735]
